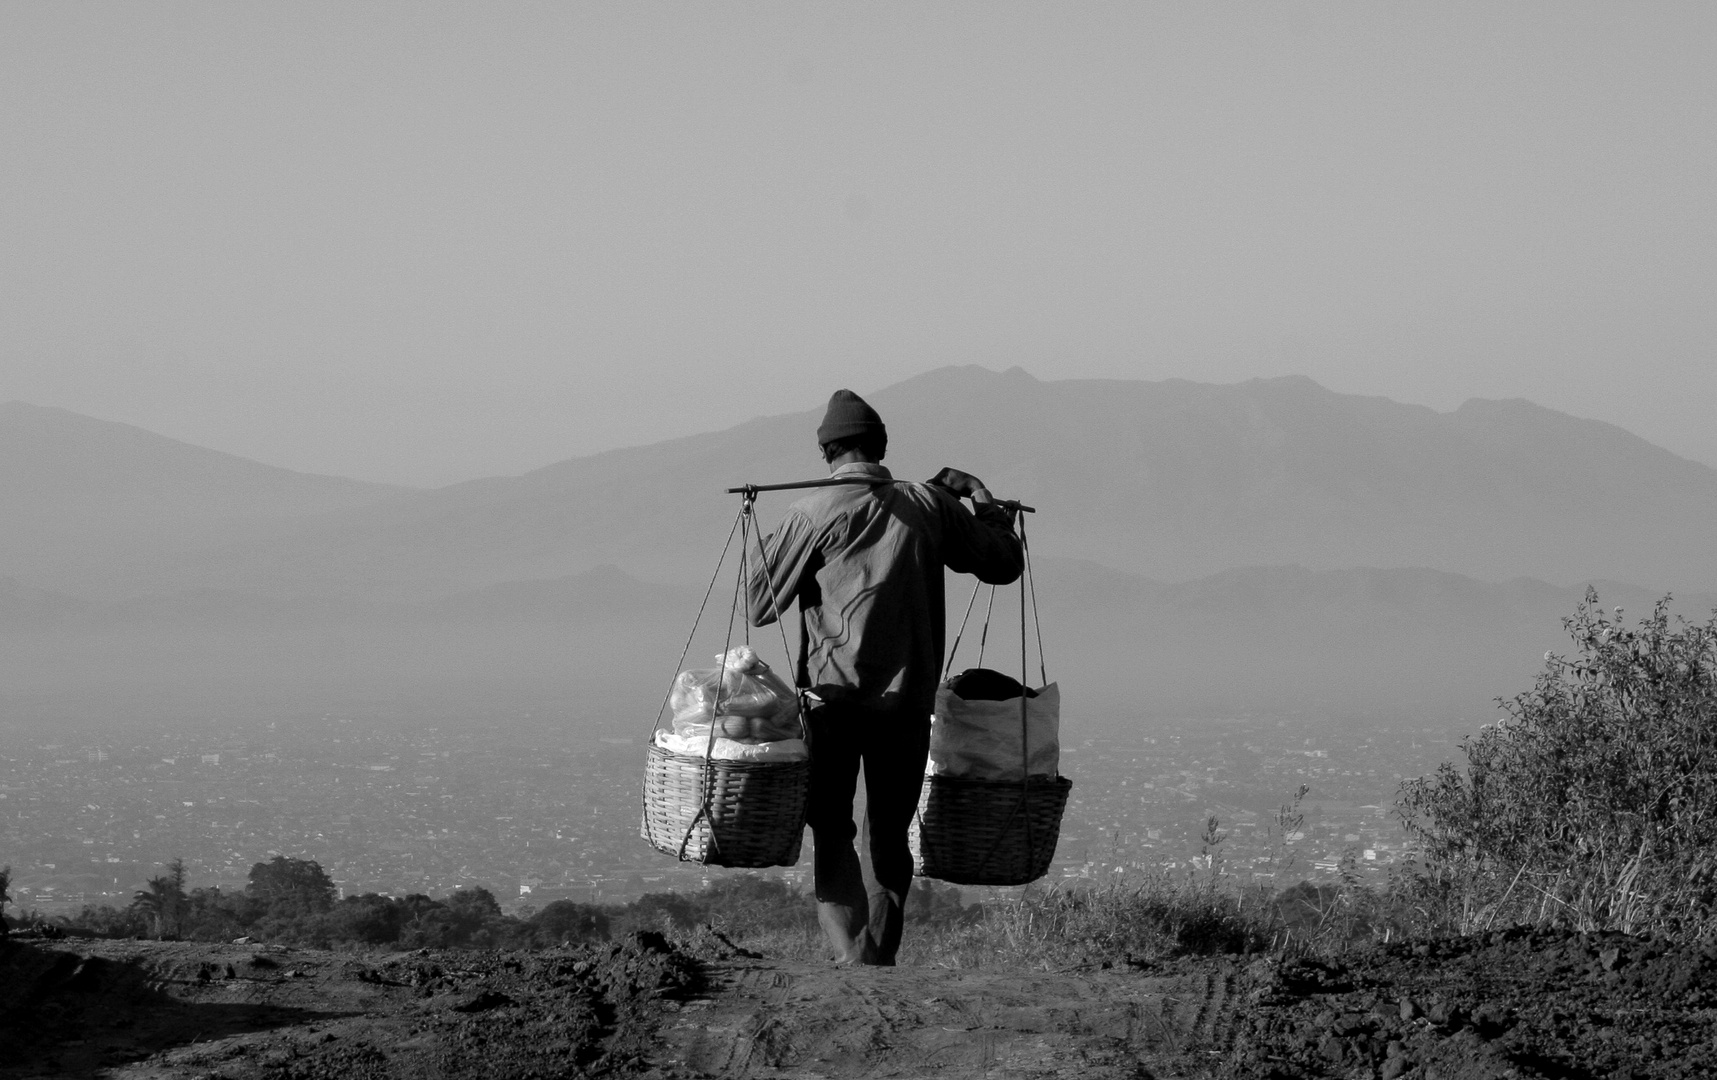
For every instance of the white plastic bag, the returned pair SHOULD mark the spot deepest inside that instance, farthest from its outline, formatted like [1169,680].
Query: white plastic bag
[980,740]
[733,749]
[742,728]
[743,686]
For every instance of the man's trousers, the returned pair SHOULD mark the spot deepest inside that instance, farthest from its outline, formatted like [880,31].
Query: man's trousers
[863,918]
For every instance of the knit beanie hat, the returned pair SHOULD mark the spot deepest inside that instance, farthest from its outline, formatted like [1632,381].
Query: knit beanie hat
[848,415]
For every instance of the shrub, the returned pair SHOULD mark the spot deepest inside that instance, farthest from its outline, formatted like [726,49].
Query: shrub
[1594,801]
[212,915]
[934,904]
[565,920]
[291,885]
[105,920]
[368,919]
[743,905]
[467,918]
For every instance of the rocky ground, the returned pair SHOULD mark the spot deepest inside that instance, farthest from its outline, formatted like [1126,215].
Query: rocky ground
[1509,1004]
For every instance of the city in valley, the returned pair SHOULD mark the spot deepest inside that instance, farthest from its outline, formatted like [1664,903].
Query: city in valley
[536,812]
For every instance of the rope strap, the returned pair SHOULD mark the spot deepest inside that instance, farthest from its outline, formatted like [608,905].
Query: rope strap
[744,525]
[1028,593]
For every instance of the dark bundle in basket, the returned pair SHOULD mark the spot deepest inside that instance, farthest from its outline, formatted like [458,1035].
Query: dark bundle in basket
[725,813]
[991,812]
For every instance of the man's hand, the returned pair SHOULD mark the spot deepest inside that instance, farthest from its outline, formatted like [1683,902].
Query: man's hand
[959,483]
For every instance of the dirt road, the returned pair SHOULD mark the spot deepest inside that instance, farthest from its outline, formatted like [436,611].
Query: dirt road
[768,1020]
[1505,1005]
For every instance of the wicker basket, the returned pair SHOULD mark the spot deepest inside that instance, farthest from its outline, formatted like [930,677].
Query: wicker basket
[988,832]
[756,809]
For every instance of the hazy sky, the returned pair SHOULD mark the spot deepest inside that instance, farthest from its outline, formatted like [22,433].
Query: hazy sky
[425,242]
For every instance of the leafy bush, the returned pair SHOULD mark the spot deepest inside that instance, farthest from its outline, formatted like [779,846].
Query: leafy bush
[211,915]
[742,905]
[291,884]
[1594,801]
[370,919]
[564,920]
[468,917]
[105,920]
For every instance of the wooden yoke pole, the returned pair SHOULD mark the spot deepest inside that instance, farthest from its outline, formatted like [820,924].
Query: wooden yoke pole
[751,490]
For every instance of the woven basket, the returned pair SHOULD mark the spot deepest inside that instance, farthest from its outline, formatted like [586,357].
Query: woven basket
[756,809]
[988,832]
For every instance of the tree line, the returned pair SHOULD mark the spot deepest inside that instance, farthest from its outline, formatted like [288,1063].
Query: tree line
[293,901]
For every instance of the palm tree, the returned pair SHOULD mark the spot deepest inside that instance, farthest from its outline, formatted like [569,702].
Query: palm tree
[163,900]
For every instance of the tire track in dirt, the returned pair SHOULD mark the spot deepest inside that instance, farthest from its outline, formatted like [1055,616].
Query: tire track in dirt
[1208,1023]
[804,1022]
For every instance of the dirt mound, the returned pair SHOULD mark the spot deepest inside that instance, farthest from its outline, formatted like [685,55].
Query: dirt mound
[181,1009]
[1508,1004]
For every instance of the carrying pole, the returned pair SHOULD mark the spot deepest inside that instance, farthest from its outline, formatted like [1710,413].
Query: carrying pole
[751,490]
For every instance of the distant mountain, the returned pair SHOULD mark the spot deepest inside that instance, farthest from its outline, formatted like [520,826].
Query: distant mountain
[1172,480]
[80,496]
[1178,480]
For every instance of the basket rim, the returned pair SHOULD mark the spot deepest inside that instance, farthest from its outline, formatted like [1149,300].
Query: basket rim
[1036,780]
[726,763]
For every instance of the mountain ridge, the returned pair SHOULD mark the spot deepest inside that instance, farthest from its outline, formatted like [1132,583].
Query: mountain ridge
[80,495]
[1173,480]
[78,434]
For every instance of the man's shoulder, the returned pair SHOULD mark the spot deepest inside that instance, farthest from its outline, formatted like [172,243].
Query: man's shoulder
[826,507]
[837,497]
[933,498]
[930,493]
[820,504]
[841,496]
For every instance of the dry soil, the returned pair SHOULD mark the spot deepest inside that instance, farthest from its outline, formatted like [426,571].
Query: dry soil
[1510,1004]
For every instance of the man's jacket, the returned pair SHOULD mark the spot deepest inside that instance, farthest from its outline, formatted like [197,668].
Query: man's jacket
[864,562]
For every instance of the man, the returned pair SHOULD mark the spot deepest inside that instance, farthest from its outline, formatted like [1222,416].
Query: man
[864,561]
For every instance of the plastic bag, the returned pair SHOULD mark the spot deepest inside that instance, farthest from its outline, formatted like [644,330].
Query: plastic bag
[980,739]
[732,749]
[743,688]
[743,728]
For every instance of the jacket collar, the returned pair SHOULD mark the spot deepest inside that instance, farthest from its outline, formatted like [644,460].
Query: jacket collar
[863,468]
